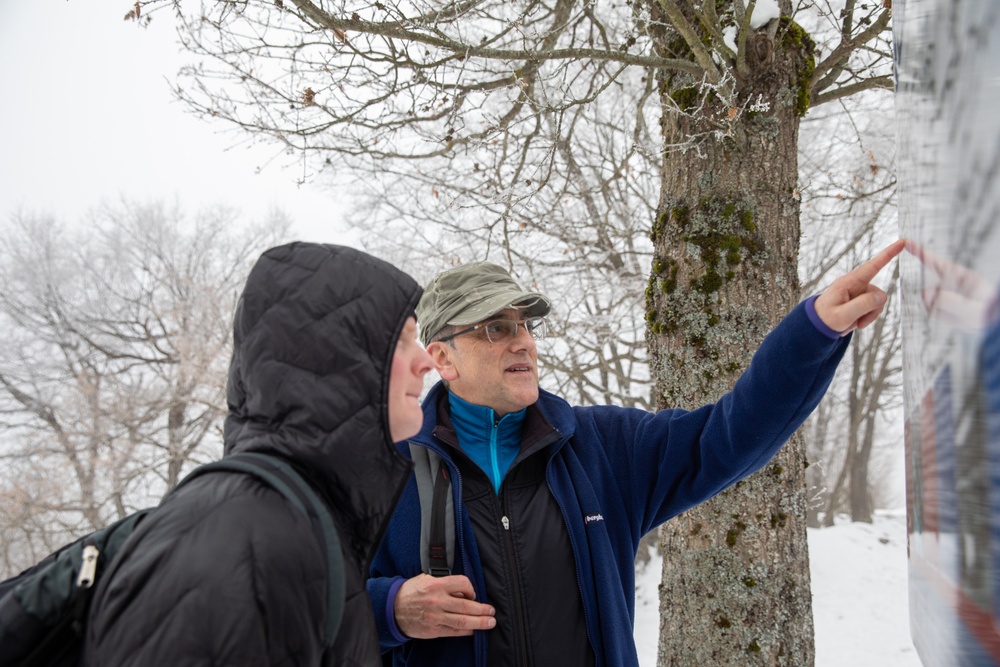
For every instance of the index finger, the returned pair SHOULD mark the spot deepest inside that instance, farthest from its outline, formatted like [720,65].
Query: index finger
[870,269]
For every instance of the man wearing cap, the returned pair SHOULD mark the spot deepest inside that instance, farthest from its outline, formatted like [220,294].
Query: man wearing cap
[550,500]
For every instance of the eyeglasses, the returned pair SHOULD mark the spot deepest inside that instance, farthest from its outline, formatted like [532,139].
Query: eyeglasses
[502,331]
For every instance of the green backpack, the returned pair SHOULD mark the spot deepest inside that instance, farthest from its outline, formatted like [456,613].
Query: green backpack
[43,610]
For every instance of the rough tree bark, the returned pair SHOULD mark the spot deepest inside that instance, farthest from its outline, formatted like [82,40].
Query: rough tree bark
[724,273]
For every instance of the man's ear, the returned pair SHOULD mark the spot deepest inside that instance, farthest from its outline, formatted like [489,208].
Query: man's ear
[442,355]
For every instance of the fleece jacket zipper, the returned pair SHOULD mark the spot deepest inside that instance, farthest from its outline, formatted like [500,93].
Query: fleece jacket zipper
[520,625]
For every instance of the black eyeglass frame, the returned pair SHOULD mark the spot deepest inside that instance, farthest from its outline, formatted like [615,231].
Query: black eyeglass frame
[539,323]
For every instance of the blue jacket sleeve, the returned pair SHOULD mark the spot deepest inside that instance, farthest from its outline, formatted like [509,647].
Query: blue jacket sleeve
[676,459]
[382,593]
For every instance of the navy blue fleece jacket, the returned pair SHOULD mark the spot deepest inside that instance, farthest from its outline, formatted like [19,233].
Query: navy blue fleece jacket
[618,473]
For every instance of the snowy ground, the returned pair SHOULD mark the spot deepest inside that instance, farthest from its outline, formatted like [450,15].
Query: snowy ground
[859,596]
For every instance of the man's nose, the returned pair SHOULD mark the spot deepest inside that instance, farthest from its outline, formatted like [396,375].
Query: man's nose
[522,337]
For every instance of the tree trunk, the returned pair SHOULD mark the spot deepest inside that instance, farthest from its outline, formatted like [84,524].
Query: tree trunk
[851,446]
[862,508]
[816,475]
[735,569]
[833,498]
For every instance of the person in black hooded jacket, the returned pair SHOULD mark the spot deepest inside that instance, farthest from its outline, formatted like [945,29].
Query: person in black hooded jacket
[326,374]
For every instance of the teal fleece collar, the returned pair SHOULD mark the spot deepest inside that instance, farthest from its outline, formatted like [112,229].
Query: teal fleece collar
[491,443]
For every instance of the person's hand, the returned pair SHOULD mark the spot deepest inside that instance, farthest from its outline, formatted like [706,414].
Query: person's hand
[852,302]
[427,607]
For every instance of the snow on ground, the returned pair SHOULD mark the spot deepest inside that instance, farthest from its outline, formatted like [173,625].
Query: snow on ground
[859,596]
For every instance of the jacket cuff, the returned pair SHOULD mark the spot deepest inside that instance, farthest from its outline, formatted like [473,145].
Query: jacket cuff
[390,611]
[817,322]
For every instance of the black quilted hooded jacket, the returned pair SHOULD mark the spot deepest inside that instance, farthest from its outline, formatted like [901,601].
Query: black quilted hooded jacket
[226,571]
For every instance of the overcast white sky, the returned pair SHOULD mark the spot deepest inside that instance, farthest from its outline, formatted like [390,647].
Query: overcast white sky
[86,115]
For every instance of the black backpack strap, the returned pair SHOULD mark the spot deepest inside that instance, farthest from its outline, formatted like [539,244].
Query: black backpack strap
[283,478]
[438,543]
[437,514]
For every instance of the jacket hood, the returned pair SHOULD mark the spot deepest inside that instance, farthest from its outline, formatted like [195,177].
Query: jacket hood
[313,339]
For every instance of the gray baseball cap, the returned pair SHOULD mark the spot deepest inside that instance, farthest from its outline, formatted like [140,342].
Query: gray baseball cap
[470,293]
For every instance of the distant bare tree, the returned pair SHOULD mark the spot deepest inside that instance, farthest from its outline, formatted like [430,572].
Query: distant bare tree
[848,173]
[854,420]
[112,375]
[875,390]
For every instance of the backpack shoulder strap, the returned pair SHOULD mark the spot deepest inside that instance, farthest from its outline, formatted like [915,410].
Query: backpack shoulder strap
[283,478]
[437,513]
